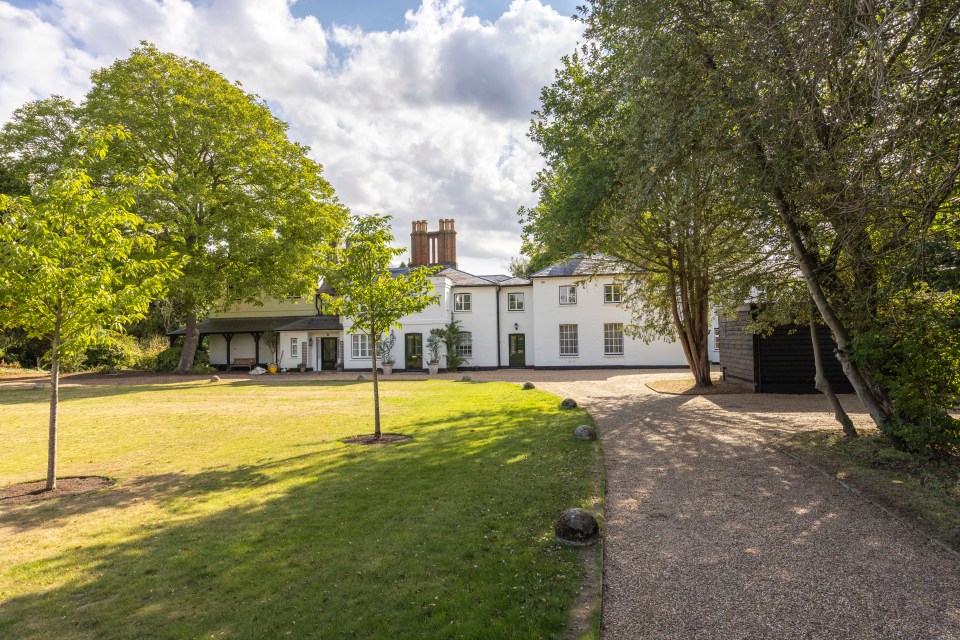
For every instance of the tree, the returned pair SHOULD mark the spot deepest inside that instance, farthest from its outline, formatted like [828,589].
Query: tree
[247,207]
[519,266]
[74,261]
[366,291]
[632,175]
[452,337]
[843,117]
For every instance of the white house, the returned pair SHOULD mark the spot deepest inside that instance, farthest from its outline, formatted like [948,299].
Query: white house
[564,316]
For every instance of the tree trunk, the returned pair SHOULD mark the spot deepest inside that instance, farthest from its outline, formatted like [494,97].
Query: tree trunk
[190,341]
[878,409]
[823,385]
[376,388]
[54,401]
[688,329]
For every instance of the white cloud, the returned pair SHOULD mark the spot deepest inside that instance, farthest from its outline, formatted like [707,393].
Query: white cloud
[425,122]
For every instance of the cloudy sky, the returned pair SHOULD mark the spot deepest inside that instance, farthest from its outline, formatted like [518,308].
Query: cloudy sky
[416,109]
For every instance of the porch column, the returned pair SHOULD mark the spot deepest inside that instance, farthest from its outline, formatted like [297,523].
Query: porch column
[228,337]
[256,346]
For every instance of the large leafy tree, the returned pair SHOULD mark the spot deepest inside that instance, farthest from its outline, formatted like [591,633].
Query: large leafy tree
[368,293]
[75,261]
[843,117]
[668,217]
[247,206]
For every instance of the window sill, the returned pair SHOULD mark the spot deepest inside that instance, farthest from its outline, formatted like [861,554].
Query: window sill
[567,355]
[613,355]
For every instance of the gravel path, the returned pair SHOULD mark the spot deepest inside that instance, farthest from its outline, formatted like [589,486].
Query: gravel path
[710,533]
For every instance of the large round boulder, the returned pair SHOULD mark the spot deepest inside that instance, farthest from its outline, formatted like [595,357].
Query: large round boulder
[577,527]
[568,403]
[585,432]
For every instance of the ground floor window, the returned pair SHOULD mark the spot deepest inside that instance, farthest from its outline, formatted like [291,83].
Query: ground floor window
[294,345]
[569,341]
[613,339]
[465,348]
[360,345]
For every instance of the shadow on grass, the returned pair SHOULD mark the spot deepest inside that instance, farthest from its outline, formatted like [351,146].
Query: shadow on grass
[447,536]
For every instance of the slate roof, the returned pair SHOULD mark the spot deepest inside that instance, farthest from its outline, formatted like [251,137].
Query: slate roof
[464,279]
[579,266]
[276,323]
[516,282]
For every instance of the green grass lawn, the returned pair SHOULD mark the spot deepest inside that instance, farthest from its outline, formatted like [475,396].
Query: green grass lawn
[239,513]
[924,491]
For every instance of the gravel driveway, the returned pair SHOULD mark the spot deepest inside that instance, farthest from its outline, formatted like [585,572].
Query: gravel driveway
[710,533]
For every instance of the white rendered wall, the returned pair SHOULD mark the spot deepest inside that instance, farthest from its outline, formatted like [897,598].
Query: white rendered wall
[524,321]
[590,313]
[286,360]
[480,321]
[242,346]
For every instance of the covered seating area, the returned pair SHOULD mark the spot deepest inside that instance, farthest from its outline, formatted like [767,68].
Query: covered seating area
[241,345]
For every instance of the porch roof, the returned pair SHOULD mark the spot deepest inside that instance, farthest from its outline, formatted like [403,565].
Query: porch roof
[261,324]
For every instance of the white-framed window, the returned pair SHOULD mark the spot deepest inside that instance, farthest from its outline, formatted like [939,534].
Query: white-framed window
[294,347]
[612,294]
[613,339]
[569,341]
[360,346]
[462,301]
[515,302]
[465,349]
[568,294]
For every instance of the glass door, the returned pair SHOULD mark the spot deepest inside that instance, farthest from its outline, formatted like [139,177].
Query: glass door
[413,350]
[518,352]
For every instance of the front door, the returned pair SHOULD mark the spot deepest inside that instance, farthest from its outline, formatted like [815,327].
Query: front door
[413,350]
[328,353]
[518,352]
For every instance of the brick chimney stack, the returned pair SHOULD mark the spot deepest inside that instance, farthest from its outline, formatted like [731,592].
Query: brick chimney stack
[433,247]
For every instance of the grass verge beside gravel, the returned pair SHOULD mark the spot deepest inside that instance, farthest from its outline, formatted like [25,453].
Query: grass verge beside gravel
[923,491]
[240,513]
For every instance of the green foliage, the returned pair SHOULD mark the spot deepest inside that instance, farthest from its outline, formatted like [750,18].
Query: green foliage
[915,353]
[110,353]
[385,349]
[167,360]
[366,291]
[634,174]
[17,347]
[434,344]
[451,335]
[74,260]
[833,125]
[373,298]
[246,206]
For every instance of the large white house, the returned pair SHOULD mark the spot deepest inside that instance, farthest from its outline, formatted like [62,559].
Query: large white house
[564,316]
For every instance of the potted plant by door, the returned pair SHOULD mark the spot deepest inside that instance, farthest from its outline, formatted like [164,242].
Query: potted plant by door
[433,347]
[385,353]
